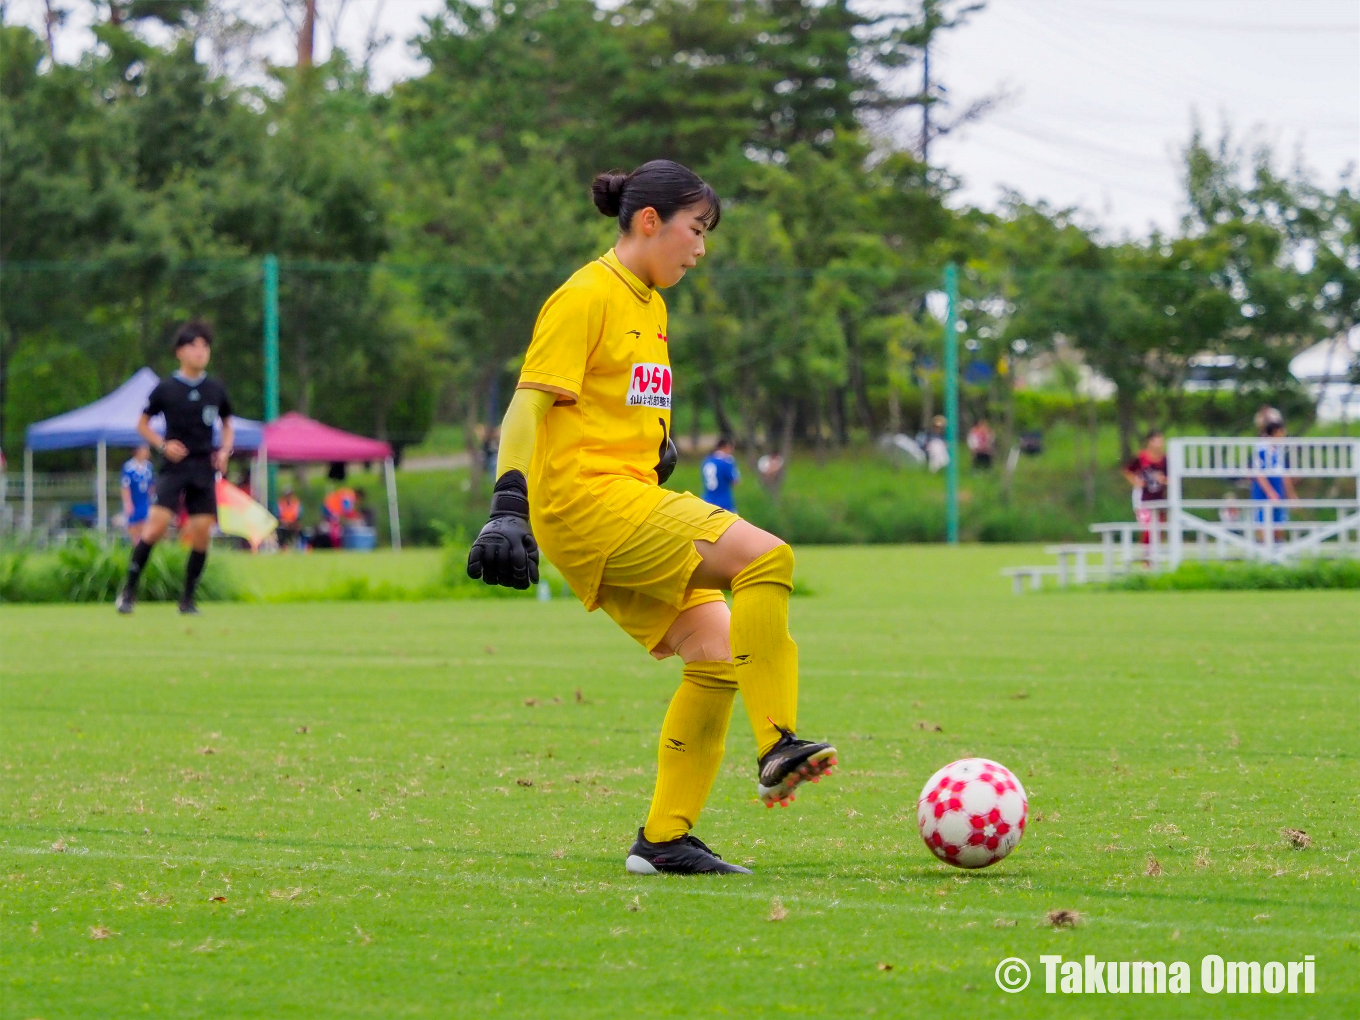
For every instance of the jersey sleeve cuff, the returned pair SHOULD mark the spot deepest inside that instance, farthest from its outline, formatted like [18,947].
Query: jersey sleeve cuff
[565,389]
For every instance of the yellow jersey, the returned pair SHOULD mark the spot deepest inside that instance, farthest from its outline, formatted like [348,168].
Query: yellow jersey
[600,345]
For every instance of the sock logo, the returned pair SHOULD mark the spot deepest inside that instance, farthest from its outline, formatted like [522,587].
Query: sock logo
[742,660]
[675,745]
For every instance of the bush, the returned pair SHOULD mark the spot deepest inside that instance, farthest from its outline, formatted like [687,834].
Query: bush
[1311,574]
[455,582]
[86,570]
[435,505]
[450,582]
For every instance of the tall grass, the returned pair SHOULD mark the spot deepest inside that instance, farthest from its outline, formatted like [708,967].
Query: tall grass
[85,570]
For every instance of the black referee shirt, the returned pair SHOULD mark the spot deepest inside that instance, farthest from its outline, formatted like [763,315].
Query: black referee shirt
[190,409]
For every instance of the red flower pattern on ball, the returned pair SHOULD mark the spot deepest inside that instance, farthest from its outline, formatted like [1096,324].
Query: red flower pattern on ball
[972,812]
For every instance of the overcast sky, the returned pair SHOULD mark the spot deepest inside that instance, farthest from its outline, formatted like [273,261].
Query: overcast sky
[1101,92]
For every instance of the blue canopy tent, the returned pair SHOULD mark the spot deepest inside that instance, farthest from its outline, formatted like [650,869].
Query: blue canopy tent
[109,421]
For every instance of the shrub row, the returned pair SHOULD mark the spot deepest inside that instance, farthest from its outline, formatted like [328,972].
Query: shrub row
[1247,577]
[85,570]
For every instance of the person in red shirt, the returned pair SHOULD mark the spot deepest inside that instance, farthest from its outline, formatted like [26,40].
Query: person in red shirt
[1146,472]
[981,444]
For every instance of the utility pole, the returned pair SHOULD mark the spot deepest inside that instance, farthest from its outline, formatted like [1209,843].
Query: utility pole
[951,403]
[306,34]
[925,104]
[51,19]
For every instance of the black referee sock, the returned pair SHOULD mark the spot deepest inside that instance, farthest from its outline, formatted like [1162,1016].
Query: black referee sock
[140,552]
[191,573]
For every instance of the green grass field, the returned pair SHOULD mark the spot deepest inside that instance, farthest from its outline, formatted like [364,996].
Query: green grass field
[406,810]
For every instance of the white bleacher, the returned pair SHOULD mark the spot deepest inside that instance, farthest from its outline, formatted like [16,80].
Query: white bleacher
[1226,528]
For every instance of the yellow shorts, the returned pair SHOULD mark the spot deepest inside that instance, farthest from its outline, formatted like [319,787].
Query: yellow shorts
[644,584]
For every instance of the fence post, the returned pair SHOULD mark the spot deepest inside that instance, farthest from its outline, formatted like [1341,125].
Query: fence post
[101,489]
[951,403]
[28,491]
[1174,463]
[393,510]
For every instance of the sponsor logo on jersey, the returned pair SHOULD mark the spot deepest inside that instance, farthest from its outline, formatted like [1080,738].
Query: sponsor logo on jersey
[209,414]
[662,337]
[650,386]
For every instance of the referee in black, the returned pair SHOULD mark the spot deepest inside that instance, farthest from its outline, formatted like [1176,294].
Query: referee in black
[192,403]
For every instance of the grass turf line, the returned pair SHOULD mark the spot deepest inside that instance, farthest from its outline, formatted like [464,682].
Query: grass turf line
[364,817]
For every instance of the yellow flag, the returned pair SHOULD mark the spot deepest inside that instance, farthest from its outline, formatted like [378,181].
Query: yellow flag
[239,515]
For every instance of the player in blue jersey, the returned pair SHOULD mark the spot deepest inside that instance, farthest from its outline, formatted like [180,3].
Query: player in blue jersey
[720,474]
[138,479]
[1269,457]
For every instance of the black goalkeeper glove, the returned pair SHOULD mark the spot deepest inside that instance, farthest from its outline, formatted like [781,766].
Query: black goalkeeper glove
[505,552]
[666,454]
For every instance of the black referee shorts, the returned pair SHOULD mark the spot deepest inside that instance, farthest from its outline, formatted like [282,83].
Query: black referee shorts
[192,482]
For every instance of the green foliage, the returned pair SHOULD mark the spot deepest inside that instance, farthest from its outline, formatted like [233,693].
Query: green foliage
[86,570]
[46,376]
[1232,576]
[862,497]
[420,230]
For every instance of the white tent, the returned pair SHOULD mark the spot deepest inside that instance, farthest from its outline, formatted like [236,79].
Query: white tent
[1326,369]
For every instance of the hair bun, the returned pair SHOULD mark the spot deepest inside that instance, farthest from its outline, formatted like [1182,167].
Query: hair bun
[607,192]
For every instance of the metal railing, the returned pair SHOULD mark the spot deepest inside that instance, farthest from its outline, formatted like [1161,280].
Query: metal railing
[1202,457]
[1259,534]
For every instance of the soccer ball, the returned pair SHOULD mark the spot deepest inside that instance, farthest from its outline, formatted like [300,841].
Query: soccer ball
[972,813]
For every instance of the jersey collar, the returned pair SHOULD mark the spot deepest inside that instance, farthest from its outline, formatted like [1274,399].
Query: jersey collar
[640,290]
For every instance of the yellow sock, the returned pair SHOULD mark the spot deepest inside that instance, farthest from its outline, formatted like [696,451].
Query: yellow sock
[765,656]
[691,750]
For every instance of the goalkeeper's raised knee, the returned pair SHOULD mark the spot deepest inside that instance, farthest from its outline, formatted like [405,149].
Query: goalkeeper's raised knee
[773,567]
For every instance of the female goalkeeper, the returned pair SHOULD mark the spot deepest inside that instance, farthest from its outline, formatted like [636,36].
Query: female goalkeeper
[585,446]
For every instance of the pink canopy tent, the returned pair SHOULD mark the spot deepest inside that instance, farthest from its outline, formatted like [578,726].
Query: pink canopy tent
[297,439]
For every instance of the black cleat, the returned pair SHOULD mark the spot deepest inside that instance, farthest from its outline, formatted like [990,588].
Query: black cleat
[790,762]
[125,602]
[684,856]
[187,607]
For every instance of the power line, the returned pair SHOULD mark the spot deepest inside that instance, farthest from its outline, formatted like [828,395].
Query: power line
[1280,28]
[1069,170]
[1061,138]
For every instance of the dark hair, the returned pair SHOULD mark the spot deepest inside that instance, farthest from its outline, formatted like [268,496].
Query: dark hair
[723,441]
[1152,434]
[191,331]
[661,184]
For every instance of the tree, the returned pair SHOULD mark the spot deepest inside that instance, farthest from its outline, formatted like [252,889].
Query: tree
[1253,230]
[485,241]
